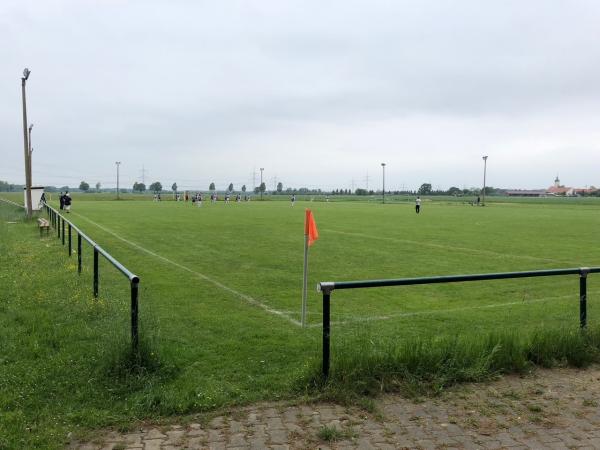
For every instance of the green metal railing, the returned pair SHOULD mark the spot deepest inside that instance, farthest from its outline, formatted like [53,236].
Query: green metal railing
[60,224]
[328,287]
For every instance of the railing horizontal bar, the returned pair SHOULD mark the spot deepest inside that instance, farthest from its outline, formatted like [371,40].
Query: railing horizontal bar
[333,285]
[132,277]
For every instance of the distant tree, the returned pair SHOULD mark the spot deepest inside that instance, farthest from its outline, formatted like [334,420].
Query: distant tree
[156,187]
[424,189]
[454,191]
[174,187]
[262,187]
[230,188]
[360,191]
[211,187]
[98,186]
[139,187]
[244,188]
[279,187]
[83,186]
[256,190]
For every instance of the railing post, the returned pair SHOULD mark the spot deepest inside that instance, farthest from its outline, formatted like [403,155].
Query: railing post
[95,272]
[70,242]
[79,253]
[58,227]
[583,272]
[63,232]
[326,332]
[134,315]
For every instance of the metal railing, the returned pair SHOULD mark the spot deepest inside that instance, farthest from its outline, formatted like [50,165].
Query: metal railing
[327,287]
[60,223]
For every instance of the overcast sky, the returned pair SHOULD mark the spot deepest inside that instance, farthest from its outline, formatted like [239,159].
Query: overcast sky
[318,93]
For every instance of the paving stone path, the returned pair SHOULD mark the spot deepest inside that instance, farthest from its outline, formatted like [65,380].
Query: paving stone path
[553,409]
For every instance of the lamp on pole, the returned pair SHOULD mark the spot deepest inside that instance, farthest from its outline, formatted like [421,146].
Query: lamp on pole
[118,163]
[261,182]
[27,148]
[484,170]
[383,168]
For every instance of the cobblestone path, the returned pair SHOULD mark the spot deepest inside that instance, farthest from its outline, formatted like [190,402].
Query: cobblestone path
[554,409]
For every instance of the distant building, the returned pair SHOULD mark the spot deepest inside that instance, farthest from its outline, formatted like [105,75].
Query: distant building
[556,189]
[526,193]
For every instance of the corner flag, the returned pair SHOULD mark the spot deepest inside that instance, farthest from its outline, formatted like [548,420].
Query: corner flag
[310,228]
[310,236]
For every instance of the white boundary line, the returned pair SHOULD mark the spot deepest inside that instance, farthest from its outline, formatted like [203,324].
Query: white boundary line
[445,311]
[12,203]
[218,284]
[448,247]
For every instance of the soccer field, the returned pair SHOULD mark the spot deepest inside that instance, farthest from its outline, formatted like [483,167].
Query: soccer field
[220,299]
[243,262]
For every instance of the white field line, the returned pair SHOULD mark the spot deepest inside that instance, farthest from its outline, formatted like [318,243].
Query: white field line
[445,311]
[449,247]
[12,203]
[216,283]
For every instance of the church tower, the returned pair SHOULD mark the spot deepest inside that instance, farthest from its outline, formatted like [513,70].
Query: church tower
[556,181]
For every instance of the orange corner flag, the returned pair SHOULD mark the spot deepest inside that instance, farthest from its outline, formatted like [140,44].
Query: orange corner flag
[310,227]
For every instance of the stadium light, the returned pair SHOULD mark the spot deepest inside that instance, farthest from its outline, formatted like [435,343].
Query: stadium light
[118,163]
[26,145]
[383,168]
[261,182]
[484,170]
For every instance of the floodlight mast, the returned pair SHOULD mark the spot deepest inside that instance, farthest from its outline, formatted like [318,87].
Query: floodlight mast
[261,182]
[118,163]
[26,145]
[383,168]
[484,171]
[30,154]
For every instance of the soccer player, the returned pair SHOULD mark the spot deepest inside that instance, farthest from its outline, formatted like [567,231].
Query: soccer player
[67,201]
[418,205]
[293,199]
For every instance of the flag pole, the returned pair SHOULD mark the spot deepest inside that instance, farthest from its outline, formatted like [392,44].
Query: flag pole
[305,285]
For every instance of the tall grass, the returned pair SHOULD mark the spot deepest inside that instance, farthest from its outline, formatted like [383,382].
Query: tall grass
[366,365]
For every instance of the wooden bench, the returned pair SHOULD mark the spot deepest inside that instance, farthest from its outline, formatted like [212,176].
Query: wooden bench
[43,223]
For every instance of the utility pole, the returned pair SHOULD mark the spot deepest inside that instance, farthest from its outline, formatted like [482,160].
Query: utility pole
[484,170]
[118,163]
[30,154]
[261,182]
[143,175]
[27,148]
[367,180]
[383,167]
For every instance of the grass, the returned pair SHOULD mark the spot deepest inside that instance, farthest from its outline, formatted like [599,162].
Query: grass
[333,434]
[66,367]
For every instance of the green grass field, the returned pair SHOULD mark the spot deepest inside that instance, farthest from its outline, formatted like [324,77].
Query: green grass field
[221,287]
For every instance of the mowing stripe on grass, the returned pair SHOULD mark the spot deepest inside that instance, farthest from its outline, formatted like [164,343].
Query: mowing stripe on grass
[216,283]
[450,247]
[445,311]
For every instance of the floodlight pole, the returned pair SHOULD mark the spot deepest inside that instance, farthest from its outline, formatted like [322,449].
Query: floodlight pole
[484,171]
[30,154]
[118,163]
[261,182]
[383,168]
[27,148]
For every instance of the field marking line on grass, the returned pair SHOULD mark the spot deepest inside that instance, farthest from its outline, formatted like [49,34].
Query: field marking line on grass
[12,203]
[218,284]
[445,311]
[449,247]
